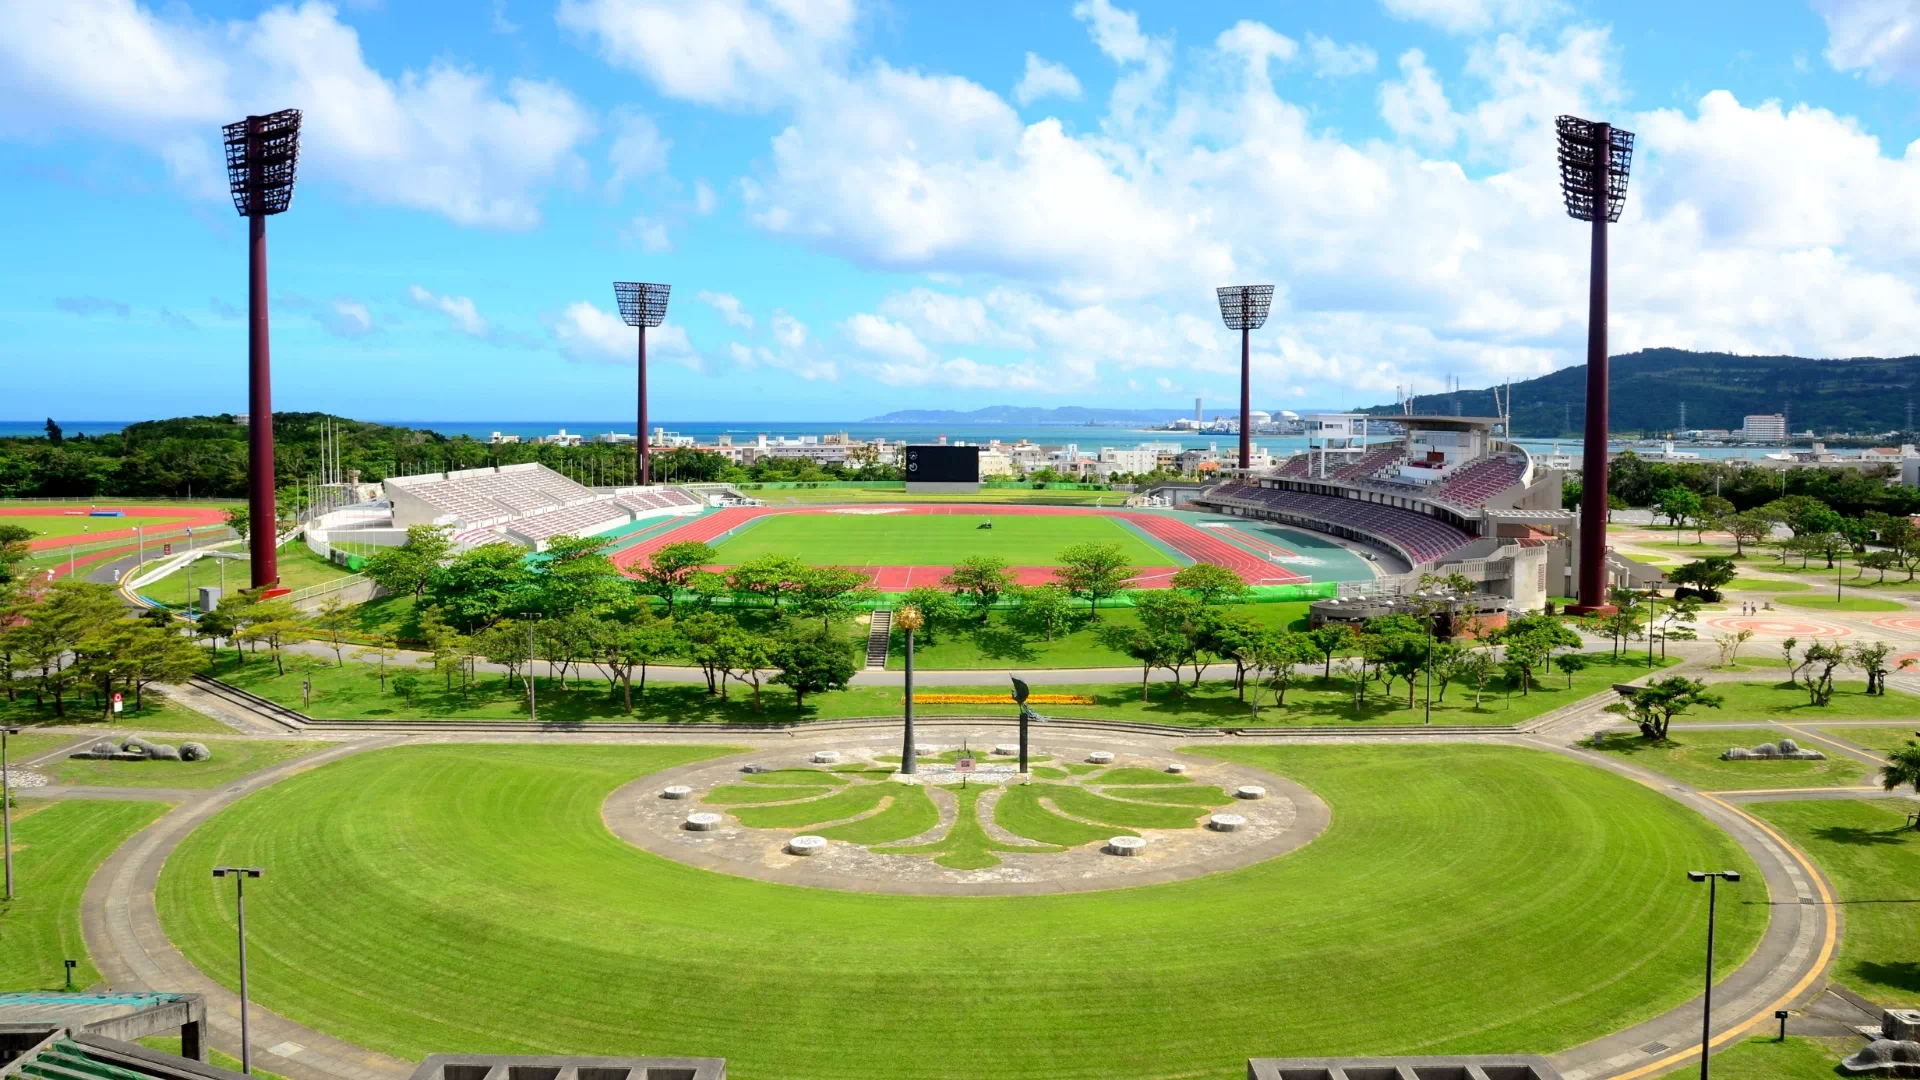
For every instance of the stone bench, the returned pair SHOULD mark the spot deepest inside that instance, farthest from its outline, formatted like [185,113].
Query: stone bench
[1100,757]
[1126,845]
[1226,822]
[703,822]
[1250,791]
[806,845]
[677,791]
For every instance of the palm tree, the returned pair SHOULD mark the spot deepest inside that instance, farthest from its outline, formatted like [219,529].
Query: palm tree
[1903,768]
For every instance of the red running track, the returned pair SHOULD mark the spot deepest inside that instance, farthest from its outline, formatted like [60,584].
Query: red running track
[181,518]
[1195,544]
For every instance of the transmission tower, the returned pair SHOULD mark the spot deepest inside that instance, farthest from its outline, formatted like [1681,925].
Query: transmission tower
[1683,416]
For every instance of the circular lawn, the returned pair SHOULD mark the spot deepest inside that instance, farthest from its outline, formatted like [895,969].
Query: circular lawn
[471,898]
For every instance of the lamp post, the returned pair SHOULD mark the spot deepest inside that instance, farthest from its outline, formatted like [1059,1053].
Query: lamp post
[642,304]
[263,153]
[6,806]
[240,874]
[910,619]
[1713,879]
[1244,308]
[1594,161]
[533,705]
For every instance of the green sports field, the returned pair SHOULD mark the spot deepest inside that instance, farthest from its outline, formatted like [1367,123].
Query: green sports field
[57,525]
[58,845]
[868,539]
[429,896]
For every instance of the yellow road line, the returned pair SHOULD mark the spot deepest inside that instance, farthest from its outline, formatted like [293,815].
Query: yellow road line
[1829,940]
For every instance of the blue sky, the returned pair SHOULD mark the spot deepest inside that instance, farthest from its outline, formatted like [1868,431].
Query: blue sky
[867,206]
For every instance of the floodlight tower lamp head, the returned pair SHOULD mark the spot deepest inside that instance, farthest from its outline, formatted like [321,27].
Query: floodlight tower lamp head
[642,303]
[238,871]
[1582,160]
[1245,307]
[263,153]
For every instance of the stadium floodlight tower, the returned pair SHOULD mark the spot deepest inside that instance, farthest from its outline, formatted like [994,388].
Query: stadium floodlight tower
[642,304]
[1245,307]
[262,153]
[1594,161]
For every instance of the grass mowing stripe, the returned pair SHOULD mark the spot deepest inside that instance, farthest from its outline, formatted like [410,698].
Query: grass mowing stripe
[909,814]
[57,847]
[844,804]
[429,896]
[1020,813]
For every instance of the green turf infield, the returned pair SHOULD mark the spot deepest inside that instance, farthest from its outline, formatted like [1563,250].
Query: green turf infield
[56,525]
[912,539]
[58,844]
[431,896]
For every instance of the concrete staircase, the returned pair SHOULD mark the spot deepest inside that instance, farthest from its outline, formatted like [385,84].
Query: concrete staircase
[879,635]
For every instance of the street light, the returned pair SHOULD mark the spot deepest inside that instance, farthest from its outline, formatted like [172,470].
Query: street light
[6,806]
[1594,161]
[240,874]
[1713,879]
[642,304]
[1244,308]
[263,152]
[910,619]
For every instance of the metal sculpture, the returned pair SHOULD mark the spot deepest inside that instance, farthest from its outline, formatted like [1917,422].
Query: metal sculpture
[1020,695]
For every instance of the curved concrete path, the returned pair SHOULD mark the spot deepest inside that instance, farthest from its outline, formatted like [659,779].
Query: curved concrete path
[1786,969]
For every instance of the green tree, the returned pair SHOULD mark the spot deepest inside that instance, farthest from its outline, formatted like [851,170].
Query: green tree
[828,593]
[1707,576]
[1748,527]
[1570,664]
[1903,769]
[1654,705]
[1046,610]
[812,663]
[408,569]
[44,629]
[333,622]
[1210,584]
[479,587]
[938,609]
[766,578]
[1475,668]
[1150,649]
[980,580]
[1677,504]
[1094,571]
[239,518]
[577,575]
[667,569]
[1816,677]
[1715,513]
[1329,639]
[1171,616]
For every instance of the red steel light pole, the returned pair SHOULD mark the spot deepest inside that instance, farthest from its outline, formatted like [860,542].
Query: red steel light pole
[262,154]
[1595,159]
[1245,307]
[642,304]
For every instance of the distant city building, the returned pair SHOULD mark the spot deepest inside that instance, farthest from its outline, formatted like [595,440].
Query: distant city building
[1767,427]
[559,438]
[497,439]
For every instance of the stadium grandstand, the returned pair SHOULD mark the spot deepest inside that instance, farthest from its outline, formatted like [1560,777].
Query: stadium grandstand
[1447,493]
[526,504]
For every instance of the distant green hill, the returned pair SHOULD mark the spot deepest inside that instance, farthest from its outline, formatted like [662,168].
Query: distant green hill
[1863,394]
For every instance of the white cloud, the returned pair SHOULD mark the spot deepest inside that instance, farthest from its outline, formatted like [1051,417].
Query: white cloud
[1415,106]
[1334,60]
[1879,37]
[459,310]
[704,199]
[1469,16]
[877,335]
[801,364]
[732,53]
[346,318]
[1116,32]
[789,331]
[445,140]
[650,233]
[639,150]
[1044,79]
[729,307]
[1259,45]
[585,331]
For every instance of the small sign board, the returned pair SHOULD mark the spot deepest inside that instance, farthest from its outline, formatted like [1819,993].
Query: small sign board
[963,765]
[116,703]
[166,549]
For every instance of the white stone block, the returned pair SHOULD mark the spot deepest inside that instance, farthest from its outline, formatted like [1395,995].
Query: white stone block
[1226,822]
[1100,757]
[1007,749]
[826,757]
[1126,845]
[703,822]
[1176,768]
[1250,791]
[677,791]
[807,845]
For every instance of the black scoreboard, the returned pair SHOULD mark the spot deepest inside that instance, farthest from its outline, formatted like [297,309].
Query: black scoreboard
[943,464]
